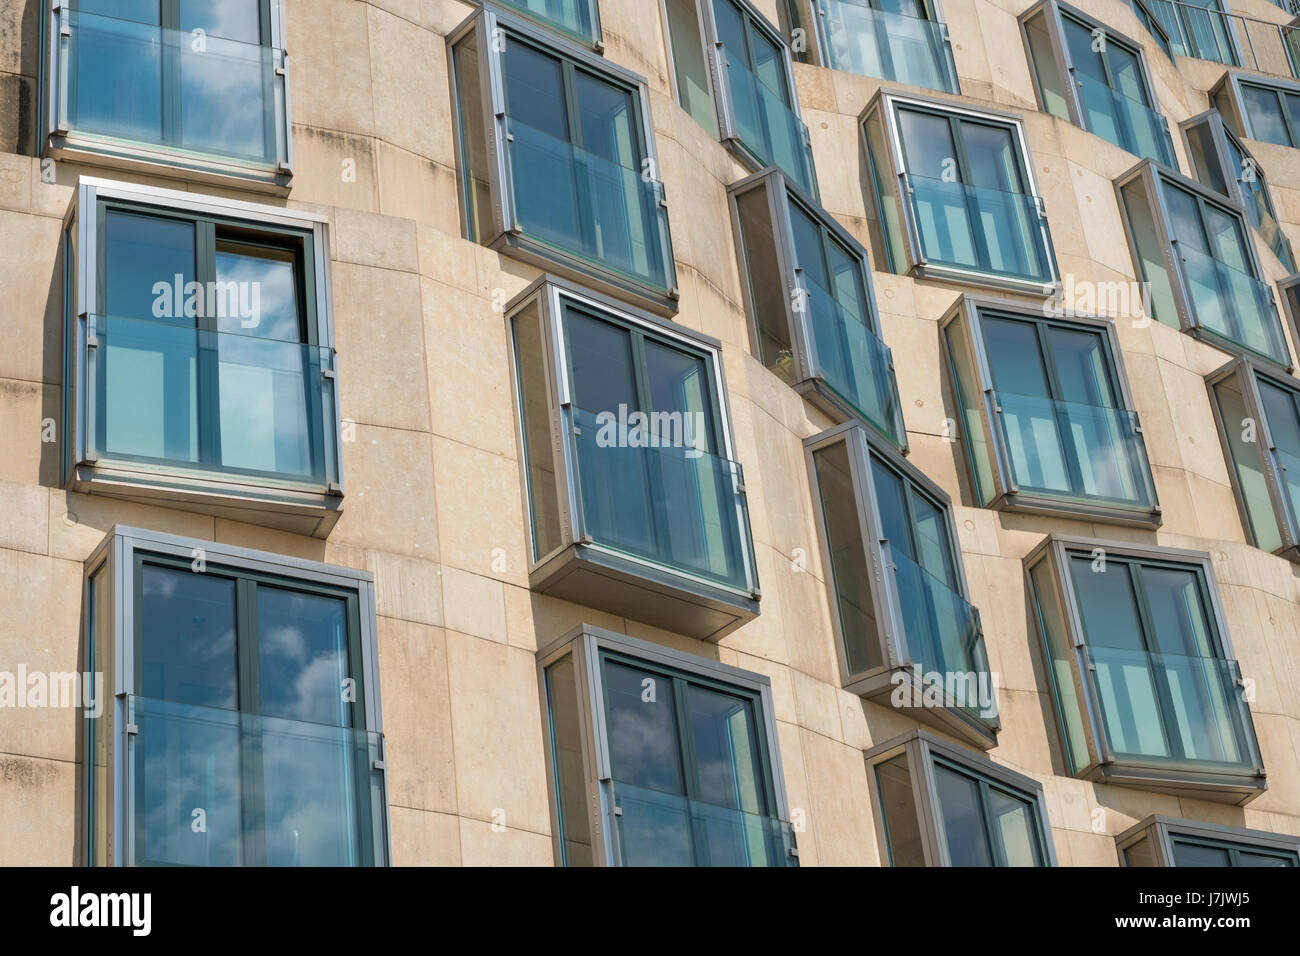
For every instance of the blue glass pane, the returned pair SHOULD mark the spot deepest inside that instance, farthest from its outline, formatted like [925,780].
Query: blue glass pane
[645,751]
[146,259]
[656,829]
[231,19]
[115,77]
[302,652]
[187,637]
[963,822]
[902,46]
[981,230]
[570,16]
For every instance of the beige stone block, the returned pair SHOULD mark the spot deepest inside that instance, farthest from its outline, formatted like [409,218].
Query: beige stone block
[389,496]
[24,520]
[483,845]
[421,838]
[480,509]
[497,731]
[796,791]
[39,797]
[377,330]
[474,604]
[15,182]
[1092,849]
[335,169]
[840,815]
[418,188]
[30,420]
[409,589]
[331,70]
[78,523]
[369,239]
[446,254]
[31,288]
[817,705]
[417,716]
[412,97]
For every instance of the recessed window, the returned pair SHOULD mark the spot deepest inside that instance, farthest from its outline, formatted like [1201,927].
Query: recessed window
[955,195]
[579,19]
[1221,162]
[175,83]
[636,503]
[1256,108]
[1046,419]
[1166,841]
[240,723]
[811,306]
[903,42]
[938,805]
[1089,75]
[557,161]
[1147,691]
[659,758]
[1192,248]
[199,353]
[753,91]
[1258,412]
[908,636]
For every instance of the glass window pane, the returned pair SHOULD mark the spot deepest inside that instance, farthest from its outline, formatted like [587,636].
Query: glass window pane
[927,144]
[1264,115]
[1082,366]
[1196,854]
[766,290]
[607,118]
[543,500]
[994,160]
[225,85]
[1248,464]
[690,68]
[535,89]
[933,547]
[961,818]
[302,652]
[892,506]
[1014,357]
[1177,612]
[808,247]
[1015,828]
[1184,218]
[1246,858]
[644,747]
[601,357]
[257,291]
[848,558]
[1107,603]
[145,259]
[566,753]
[187,638]
[680,397]
[727,759]
[115,71]
[1140,853]
[473,140]
[898,806]
[232,19]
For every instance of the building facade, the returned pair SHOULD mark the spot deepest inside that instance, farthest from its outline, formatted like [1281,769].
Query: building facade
[705,432]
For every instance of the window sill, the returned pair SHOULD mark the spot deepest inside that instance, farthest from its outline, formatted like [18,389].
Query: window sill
[1023,503]
[283,508]
[159,161]
[929,270]
[880,687]
[1229,788]
[600,579]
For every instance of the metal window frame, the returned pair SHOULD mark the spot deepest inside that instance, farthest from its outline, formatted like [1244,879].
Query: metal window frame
[880,683]
[1055,12]
[116,557]
[596,41]
[705,56]
[813,13]
[585,643]
[882,109]
[921,747]
[61,142]
[1103,764]
[1161,830]
[288,505]
[1228,91]
[715,54]
[780,193]
[1247,372]
[1154,178]
[1221,137]
[1141,9]
[965,318]
[507,235]
[638,589]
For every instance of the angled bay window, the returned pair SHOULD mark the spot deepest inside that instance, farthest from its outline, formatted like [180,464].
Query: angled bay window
[195,85]
[1191,246]
[1221,162]
[557,161]
[1199,28]
[955,194]
[240,721]
[1142,9]
[1046,417]
[1167,841]
[659,758]
[1258,413]
[939,805]
[579,19]
[811,306]
[199,367]
[1260,108]
[902,41]
[906,632]
[753,86]
[1146,688]
[634,499]
[1089,75]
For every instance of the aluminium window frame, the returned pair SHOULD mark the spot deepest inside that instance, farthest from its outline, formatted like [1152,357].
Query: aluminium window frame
[1162,831]
[965,318]
[922,748]
[1103,764]
[706,57]
[883,109]
[507,235]
[285,504]
[781,192]
[596,41]
[637,586]
[1055,12]
[1227,93]
[715,55]
[58,141]
[1154,176]
[586,643]
[881,682]
[1225,139]
[116,556]
[1247,371]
